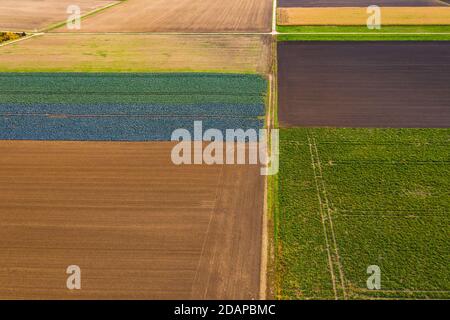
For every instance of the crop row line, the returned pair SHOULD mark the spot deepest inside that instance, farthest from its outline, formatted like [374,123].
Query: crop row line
[148,93]
[56,115]
[386,211]
[396,144]
[360,289]
[393,216]
[401,143]
[393,162]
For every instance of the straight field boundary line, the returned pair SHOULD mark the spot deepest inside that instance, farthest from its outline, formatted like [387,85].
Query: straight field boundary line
[264,245]
[248,33]
[168,33]
[87,14]
[274,17]
[402,291]
[330,219]
[270,123]
[322,216]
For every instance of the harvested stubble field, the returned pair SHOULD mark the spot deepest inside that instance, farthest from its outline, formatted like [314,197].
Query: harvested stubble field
[126,106]
[32,15]
[364,84]
[351,198]
[358,16]
[138,226]
[138,53]
[181,16]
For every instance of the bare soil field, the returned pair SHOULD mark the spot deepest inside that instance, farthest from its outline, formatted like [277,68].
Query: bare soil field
[181,16]
[364,84]
[137,225]
[360,3]
[32,15]
[358,16]
[138,53]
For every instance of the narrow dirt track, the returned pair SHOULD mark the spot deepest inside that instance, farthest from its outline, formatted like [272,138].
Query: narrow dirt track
[364,84]
[138,226]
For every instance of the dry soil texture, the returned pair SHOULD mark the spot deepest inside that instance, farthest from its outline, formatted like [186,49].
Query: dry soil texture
[182,16]
[364,84]
[138,53]
[360,3]
[137,225]
[357,16]
[30,15]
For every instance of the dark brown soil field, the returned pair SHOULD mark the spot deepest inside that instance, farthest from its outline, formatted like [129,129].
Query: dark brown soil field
[360,3]
[364,84]
[138,226]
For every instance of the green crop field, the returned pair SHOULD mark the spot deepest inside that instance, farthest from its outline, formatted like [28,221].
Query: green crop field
[354,33]
[351,198]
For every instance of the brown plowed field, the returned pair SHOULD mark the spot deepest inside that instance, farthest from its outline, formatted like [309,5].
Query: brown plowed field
[360,3]
[138,226]
[31,15]
[364,84]
[182,16]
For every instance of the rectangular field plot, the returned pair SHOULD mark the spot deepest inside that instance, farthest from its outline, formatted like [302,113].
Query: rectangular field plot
[357,16]
[360,3]
[352,198]
[32,15]
[138,53]
[364,84]
[126,106]
[138,226]
[181,16]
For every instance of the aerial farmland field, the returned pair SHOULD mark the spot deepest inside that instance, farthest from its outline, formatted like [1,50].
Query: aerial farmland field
[182,16]
[107,195]
[96,204]
[126,106]
[138,53]
[32,15]
[351,198]
[364,84]
[139,226]
[354,13]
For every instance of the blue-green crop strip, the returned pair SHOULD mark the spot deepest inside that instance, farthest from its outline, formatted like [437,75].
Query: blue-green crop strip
[125,106]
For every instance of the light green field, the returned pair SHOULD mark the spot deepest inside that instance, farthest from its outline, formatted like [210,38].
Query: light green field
[346,33]
[360,197]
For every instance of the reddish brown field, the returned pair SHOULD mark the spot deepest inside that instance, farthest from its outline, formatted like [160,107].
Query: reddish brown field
[31,15]
[182,16]
[138,226]
[364,84]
